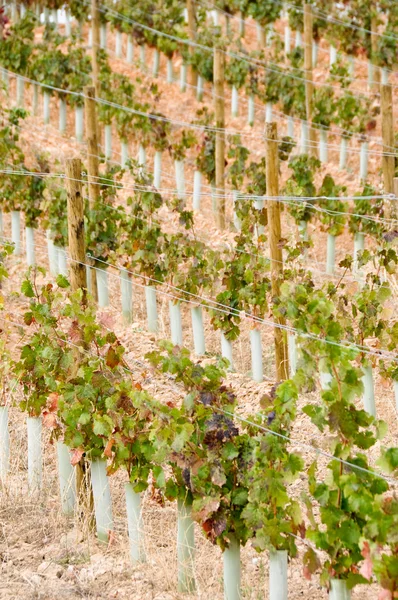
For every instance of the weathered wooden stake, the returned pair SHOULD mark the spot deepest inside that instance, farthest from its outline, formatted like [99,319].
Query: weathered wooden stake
[96,42]
[309,86]
[90,109]
[375,67]
[219,105]
[77,271]
[274,233]
[387,129]
[76,240]
[193,76]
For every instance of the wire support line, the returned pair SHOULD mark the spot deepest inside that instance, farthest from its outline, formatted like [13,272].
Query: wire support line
[261,109]
[252,61]
[197,126]
[103,182]
[290,440]
[252,25]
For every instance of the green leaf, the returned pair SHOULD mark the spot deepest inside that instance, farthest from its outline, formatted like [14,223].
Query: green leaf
[27,289]
[62,281]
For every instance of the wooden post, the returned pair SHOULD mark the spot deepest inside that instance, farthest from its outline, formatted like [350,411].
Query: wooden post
[95,24]
[90,108]
[387,130]
[76,241]
[309,86]
[374,44]
[193,76]
[219,105]
[77,253]
[275,235]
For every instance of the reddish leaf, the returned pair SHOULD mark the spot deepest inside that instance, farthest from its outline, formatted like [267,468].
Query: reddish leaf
[49,420]
[138,386]
[106,320]
[367,568]
[74,332]
[108,448]
[76,456]
[52,402]
[385,595]
[112,358]
[307,573]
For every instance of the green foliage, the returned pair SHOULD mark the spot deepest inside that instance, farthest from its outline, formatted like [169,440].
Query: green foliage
[104,220]
[301,183]
[271,513]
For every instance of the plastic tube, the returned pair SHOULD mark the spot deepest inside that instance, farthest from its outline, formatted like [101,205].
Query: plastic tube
[256,354]
[62,115]
[290,127]
[175,322]
[234,101]
[268,113]
[292,352]
[52,254]
[35,467]
[127,295]
[108,142]
[35,99]
[46,108]
[20,92]
[299,39]
[30,246]
[343,153]
[330,254]
[198,330]
[118,43]
[338,590]
[4,443]
[135,524]
[157,169]
[130,49]
[79,123]
[364,156]
[185,548]
[62,264]
[332,55]
[170,74]
[232,570]
[288,38]
[315,51]
[368,397]
[156,63]
[67,479]
[103,36]
[226,350]
[323,145]
[68,28]
[151,308]
[236,220]
[16,231]
[180,178]
[197,189]
[141,155]
[199,89]
[102,287]
[142,57]
[183,77]
[304,138]
[102,499]
[359,246]
[124,147]
[251,111]
[278,575]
